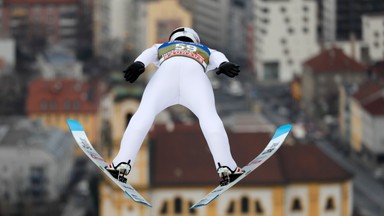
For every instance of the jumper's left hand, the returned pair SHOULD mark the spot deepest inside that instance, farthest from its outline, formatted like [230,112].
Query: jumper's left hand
[228,68]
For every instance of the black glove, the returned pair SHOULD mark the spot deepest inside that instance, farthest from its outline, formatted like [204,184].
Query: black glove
[133,71]
[229,69]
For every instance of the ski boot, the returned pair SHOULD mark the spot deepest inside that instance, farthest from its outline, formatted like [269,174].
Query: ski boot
[119,172]
[227,175]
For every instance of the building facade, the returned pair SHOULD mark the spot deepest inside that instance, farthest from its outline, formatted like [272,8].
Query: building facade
[298,180]
[36,163]
[55,101]
[285,35]
[373,35]
[367,120]
[322,76]
[45,21]
[342,19]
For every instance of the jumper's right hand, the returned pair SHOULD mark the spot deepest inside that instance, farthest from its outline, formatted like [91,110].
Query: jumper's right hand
[133,71]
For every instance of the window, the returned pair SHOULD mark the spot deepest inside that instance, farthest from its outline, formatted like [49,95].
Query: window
[128,118]
[305,30]
[283,9]
[291,30]
[192,211]
[67,105]
[265,21]
[43,105]
[164,208]
[296,205]
[265,10]
[76,105]
[231,207]
[244,205]
[271,70]
[177,208]
[287,20]
[330,204]
[258,207]
[178,205]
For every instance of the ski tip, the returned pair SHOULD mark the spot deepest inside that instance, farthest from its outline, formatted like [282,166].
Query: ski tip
[286,127]
[282,130]
[204,202]
[74,125]
[141,201]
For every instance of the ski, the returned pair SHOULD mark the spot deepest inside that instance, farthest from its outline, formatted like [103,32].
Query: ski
[83,142]
[273,145]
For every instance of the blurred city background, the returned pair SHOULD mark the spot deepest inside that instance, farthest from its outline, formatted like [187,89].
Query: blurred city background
[318,64]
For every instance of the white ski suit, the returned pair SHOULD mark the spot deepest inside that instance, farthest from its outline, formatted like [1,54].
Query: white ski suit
[180,79]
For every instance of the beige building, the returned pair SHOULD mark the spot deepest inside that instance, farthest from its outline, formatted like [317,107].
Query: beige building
[361,118]
[297,180]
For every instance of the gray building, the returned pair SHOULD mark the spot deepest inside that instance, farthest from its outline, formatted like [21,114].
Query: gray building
[224,25]
[343,18]
[35,164]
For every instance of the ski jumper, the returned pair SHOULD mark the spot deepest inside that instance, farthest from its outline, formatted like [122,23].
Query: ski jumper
[180,79]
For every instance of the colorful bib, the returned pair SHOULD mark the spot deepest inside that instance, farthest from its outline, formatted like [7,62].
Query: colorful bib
[197,52]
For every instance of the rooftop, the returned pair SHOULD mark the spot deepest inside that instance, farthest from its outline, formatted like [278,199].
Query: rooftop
[20,132]
[334,60]
[181,157]
[65,95]
[371,96]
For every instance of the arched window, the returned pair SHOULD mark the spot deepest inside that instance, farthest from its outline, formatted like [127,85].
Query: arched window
[258,207]
[231,207]
[296,205]
[128,118]
[244,205]
[177,208]
[330,204]
[178,205]
[164,208]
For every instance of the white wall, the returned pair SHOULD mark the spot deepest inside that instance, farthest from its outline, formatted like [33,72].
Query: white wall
[8,51]
[373,35]
[280,35]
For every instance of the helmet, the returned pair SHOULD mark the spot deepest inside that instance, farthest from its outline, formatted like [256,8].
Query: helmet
[184,34]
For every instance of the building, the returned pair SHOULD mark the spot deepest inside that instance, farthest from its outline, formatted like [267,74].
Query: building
[55,101]
[101,28]
[369,48]
[36,163]
[210,19]
[342,19]
[162,17]
[159,19]
[298,179]
[7,55]
[366,106]
[36,22]
[321,76]
[373,35]
[285,35]
[58,62]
